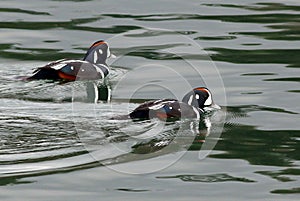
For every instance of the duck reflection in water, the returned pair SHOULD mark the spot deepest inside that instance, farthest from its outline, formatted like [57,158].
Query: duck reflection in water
[187,120]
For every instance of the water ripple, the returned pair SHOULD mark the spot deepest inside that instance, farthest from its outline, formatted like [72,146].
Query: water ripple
[208,178]
[18,10]
[243,56]
[260,6]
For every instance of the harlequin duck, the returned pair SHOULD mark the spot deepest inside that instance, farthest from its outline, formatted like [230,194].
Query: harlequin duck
[193,104]
[92,67]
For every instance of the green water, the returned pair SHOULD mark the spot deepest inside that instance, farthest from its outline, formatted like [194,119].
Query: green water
[246,52]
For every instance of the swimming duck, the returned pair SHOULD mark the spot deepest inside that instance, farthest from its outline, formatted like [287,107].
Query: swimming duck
[193,104]
[92,67]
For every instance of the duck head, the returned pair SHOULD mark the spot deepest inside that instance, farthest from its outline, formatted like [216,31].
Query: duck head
[200,97]
[98,53]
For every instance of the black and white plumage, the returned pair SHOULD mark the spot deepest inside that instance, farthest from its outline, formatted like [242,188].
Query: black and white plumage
[92,67]
[193,105]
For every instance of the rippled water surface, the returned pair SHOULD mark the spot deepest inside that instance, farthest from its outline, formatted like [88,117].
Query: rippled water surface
[57,145]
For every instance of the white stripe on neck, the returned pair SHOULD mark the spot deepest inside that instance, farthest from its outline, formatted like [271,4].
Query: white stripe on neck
[190,100]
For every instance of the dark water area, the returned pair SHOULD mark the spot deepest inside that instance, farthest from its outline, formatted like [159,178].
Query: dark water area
[56,145]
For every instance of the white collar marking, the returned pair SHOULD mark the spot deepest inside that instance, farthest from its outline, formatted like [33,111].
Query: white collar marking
[190,100]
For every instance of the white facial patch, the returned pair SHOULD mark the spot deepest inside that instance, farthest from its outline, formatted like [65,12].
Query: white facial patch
[100,51]
[108,52]
[197,96]
[208,100]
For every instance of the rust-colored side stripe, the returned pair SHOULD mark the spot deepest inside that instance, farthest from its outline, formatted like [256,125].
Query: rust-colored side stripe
[66,76]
